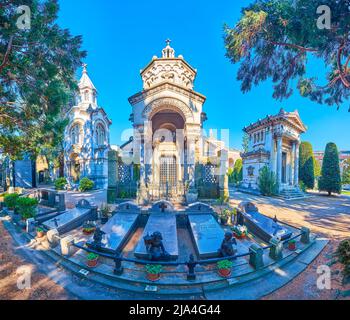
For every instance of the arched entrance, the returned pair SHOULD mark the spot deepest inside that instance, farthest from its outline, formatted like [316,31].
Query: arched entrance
[168,148]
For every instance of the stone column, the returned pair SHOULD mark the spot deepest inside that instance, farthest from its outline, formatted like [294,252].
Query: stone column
[191,160]
[293,164]
[223,178]
[296,164]
[279,160]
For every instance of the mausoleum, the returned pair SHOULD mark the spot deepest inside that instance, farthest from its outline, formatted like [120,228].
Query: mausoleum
[274,142]
[87,137]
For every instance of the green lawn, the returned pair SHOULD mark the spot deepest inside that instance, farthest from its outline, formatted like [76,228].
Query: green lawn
[347,193]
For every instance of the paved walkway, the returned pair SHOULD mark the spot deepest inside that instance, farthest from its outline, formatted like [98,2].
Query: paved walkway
[327,216]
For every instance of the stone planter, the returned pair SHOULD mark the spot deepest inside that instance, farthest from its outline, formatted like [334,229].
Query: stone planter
[153,277]
[225,273]
[92,263]
[292,246]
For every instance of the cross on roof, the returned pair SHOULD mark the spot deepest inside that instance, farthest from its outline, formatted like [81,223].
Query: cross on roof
[163,206]
[168,41]
[84,65]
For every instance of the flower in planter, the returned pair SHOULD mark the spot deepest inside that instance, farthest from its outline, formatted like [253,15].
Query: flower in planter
[89,228]
[225,267]
[153,271]
[92,259]
[40,232]
[240,231]
[292,244]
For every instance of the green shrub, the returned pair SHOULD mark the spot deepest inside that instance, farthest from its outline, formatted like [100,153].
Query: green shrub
[154,268]
[302,186]
[343,254]
[60,183]
[27,207]
[10,200]
[92,256]
[86,185]
[307,165]
[267,182]
[225,264]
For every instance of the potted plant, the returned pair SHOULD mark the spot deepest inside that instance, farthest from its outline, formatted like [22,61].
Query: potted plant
[92,260]
[240,232]
[153,272]
[40,233]
[225,267]
[104,214]
[292,245]
[224,216]
[89,228]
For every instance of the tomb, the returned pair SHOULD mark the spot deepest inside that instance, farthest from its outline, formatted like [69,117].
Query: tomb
[165,223]
[261,226]
[72,218]
[207,235]
[117,232]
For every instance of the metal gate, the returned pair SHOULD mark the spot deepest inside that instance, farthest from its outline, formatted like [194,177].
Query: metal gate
[168,175]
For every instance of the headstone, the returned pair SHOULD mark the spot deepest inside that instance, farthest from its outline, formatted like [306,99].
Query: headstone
[53,199]
[128,207]
[207,235]
[200,208]
[23,173]
[256,256]
[162,206]
[166,225]
[67,246]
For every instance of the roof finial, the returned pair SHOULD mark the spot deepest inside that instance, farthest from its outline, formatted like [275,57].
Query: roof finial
[168,51]
[84,67]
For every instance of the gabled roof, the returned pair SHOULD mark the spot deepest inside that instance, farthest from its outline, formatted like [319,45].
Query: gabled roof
[292,118]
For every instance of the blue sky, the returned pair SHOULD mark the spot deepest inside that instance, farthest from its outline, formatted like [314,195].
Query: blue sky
[122,36]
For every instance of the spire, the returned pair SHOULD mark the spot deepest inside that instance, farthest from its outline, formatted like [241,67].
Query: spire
[85,81]
[168,51]
[87,89]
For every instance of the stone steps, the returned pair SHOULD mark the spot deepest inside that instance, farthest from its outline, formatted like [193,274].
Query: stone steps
[292,194]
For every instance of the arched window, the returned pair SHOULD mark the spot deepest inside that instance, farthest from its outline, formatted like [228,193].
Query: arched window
[100,135]
[75,134]
[86,95]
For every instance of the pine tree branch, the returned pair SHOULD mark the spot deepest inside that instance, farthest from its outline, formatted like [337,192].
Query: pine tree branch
[7,54]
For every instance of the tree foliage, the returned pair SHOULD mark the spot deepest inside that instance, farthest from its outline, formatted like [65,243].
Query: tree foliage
[306,165]
[330,180]
[267,182]
[346,172]
[275,39]
[236,174]
[37,77]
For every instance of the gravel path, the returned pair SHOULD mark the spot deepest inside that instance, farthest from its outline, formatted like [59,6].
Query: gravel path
[42,288]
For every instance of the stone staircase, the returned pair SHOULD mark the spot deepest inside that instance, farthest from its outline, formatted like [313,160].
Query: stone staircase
[292,194]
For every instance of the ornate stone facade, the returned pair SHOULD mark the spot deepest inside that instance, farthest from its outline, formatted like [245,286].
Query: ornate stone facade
[274,142]
[168,140]
[87,140]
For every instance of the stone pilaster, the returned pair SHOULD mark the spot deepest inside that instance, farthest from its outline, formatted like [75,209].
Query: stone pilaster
[112,176]
[279,160]
[296,164]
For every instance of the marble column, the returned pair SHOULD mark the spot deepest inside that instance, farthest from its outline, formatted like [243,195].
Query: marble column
[279,160]
[293,165]
[191,152]
[296,164]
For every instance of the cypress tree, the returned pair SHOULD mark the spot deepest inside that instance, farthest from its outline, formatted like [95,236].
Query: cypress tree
[330,180]
[306,165]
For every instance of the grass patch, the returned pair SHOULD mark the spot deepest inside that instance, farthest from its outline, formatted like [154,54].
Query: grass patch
[347,193]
